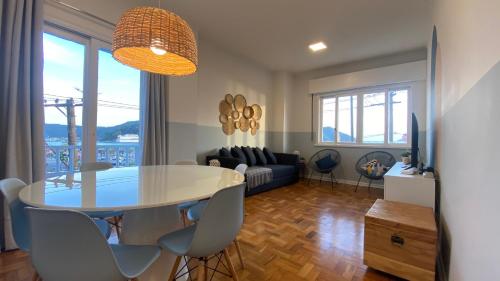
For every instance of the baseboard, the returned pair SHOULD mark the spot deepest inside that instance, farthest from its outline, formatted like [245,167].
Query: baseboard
[346,181]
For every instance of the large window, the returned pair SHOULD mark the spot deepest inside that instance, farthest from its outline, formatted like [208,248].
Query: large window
[91,104]
[117,111]
[381,119]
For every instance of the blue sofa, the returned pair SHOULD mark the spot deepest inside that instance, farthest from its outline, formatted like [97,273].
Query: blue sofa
[285,172]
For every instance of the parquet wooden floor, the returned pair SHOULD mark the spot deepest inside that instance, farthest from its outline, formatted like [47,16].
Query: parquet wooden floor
[298,232]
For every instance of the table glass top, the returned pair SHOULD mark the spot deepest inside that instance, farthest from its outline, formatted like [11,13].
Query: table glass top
[129,188]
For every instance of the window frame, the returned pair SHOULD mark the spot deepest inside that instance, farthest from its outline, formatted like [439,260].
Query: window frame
[90,85]
[360,93]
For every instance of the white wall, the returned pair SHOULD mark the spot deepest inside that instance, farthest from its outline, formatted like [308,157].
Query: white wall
[195,130]
[468,101]
[399,73]
[301,135]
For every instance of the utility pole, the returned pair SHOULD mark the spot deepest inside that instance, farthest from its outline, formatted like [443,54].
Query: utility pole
[71,121]
[69,112]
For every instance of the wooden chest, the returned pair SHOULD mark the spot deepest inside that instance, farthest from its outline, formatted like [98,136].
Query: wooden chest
[401,239]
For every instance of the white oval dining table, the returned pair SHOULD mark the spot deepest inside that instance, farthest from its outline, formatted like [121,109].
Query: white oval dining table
[149,195]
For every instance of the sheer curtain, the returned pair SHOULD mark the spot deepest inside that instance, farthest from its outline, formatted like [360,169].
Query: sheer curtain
[21,96]
[154,130]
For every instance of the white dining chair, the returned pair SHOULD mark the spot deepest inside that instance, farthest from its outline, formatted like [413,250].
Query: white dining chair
[67,245]
[211,235]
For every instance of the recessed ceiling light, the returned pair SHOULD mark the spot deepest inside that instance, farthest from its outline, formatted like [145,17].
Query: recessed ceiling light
[317,46]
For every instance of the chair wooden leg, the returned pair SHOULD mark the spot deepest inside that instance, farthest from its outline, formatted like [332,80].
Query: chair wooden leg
[238,250]
[184,217]
[331,178]
[116,224]
[134,279]
[230,265]
[320,178]
[202,271]
[174,268]
[205,268]
[369,185]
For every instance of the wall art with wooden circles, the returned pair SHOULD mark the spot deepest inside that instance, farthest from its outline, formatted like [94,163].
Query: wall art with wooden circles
[236,114]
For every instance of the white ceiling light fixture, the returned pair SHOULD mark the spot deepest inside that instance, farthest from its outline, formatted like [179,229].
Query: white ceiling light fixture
[315,47]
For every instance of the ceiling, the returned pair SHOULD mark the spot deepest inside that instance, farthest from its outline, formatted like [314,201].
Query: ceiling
[276,33]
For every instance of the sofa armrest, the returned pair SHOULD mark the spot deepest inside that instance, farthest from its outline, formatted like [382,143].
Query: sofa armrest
[225,162]
[286,158]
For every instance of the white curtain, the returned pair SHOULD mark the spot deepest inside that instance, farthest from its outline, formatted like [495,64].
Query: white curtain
[21,96]
[154,130]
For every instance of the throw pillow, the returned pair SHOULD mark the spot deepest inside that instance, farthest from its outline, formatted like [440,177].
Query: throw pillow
[271,159]
[261,158]
[326,163]
[238,153]
[223,152]
[252,161]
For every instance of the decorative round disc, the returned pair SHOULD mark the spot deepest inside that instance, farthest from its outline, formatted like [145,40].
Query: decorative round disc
[239,103]
[257,125]
[228,128]
[237,124]
[225,108]
[223,118]
[257,112]
[253,124]
[235,114]
[229,98]
[253,131]
[248,112]
[244,124]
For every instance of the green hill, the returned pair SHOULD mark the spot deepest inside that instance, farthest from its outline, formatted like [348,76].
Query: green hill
[103,133]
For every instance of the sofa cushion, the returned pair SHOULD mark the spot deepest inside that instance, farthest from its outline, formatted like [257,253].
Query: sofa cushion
[326,163]
[280,171]
[271,159]
[238,153]
[223,152]
[251,160]
[259,154]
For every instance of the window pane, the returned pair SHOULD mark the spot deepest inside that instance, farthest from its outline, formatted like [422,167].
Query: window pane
[117,133]
[63,98]
[347,119]
[398,116]
[373,117]
[328,120]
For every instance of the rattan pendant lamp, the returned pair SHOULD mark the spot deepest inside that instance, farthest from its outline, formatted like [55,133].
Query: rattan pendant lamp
[155,40]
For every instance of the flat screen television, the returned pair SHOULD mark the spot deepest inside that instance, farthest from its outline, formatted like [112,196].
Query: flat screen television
[414,141]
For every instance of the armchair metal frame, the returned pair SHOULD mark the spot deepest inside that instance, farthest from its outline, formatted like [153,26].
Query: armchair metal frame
[314,168]
[383,157]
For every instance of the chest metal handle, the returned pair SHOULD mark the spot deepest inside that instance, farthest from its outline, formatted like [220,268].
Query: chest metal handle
[397,240]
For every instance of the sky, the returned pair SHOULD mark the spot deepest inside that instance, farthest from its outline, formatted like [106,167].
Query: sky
[373,115]
[118,85]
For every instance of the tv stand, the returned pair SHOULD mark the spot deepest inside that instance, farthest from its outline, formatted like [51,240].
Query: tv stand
[413,189]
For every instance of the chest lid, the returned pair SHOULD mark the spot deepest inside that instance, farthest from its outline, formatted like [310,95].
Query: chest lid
[402,216]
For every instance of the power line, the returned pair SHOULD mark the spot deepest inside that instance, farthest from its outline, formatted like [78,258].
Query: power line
[103,103]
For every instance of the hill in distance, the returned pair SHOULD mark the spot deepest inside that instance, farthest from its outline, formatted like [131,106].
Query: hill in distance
[105,134]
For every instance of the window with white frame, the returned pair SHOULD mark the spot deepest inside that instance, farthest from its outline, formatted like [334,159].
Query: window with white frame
[377,116]
[92,103]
